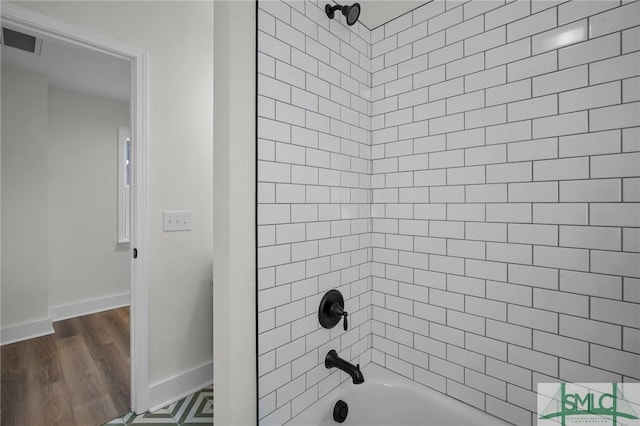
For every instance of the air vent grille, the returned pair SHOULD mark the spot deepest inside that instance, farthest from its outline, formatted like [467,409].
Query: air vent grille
[21,41]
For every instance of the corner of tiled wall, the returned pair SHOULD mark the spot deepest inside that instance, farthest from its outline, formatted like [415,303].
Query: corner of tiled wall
[468,175]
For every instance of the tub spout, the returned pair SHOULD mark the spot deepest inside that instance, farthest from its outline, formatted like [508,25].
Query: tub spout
[333,360]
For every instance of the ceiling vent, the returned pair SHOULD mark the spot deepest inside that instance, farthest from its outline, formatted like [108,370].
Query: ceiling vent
[22,41]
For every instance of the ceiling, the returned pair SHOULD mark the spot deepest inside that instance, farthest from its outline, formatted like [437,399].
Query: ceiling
[374,13]
[76,68]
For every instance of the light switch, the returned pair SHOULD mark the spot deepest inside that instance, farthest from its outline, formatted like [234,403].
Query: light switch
[176,220]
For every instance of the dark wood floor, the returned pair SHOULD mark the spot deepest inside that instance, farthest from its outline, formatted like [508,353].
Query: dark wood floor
[77,376]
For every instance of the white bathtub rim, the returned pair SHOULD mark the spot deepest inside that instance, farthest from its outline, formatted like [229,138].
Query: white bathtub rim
[377,375]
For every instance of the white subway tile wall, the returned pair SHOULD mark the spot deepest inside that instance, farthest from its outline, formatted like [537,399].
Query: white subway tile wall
[468,176]
[314,197]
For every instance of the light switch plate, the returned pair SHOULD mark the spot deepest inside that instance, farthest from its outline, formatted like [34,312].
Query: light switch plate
[176,220]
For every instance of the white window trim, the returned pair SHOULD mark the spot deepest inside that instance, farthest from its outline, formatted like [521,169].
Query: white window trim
[124,190]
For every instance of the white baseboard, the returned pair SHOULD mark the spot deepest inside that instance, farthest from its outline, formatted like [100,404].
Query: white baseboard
[19,332]
[87,307]
[177,387]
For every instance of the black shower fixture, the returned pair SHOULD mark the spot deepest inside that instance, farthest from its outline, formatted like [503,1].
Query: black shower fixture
[352,13]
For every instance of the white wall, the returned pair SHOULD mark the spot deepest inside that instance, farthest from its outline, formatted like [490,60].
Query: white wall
[76,252]
[24,197]
[76,255]
[179,39]
[234,203]
[84,259]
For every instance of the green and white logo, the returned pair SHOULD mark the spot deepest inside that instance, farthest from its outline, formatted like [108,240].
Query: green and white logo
[594,403]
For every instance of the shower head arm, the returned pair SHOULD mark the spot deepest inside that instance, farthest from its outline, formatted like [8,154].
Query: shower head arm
[330,10]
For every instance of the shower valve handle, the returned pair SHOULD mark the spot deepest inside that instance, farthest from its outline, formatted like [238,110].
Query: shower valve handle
[337,310]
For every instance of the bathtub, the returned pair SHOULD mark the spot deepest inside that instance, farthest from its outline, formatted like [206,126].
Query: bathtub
[388,399]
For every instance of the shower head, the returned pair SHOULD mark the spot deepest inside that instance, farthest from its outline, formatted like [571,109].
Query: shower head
[352,13]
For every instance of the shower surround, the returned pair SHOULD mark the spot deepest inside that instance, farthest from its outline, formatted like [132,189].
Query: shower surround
[467,175]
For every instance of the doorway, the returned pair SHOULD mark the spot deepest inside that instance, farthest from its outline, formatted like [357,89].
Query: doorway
[49,29]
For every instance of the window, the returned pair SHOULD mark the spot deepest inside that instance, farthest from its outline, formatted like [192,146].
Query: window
[124,184]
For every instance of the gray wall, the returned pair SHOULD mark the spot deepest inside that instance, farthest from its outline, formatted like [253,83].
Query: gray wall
[85,261]
[59,203]
[24,197]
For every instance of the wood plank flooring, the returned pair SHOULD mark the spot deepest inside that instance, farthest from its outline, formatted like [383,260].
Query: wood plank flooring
[78,376]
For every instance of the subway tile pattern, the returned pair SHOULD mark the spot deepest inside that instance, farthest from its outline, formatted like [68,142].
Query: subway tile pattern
[469,176]
[504,234]
[314,199]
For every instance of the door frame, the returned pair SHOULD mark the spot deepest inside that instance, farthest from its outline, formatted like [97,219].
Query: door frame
[53,29]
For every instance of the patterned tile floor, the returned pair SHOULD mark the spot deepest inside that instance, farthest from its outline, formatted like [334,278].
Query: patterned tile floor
[196,409]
